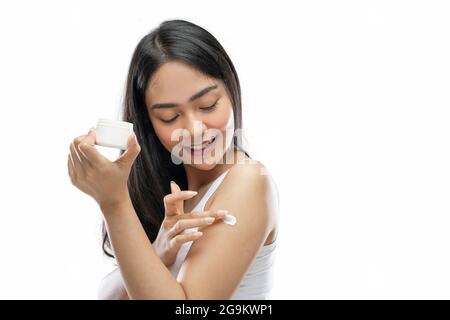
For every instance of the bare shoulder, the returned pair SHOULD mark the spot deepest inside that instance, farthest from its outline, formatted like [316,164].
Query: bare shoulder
[249,182]
[249,193]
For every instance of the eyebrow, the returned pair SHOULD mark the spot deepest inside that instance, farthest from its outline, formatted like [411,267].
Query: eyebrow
[195,96]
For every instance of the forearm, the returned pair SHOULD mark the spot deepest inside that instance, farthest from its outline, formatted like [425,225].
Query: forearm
[144,274]
[112,287]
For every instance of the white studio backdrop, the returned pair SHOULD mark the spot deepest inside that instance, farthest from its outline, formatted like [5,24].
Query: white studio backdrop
[346,102]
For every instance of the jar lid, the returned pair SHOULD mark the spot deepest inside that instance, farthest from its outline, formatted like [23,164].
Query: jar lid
[114,123]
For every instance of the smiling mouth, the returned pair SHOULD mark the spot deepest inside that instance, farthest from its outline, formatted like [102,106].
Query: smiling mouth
[202,146]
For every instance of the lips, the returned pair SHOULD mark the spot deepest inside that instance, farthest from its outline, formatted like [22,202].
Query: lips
[202,146]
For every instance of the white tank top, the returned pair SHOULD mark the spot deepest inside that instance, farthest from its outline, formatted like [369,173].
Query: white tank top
[258,281]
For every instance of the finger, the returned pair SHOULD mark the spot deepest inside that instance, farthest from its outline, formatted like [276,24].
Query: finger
[179,204]
[182,238]
[88,150]
[77,163]
[171,199]
[78,139]
[69,166]
[218,214]
[76,143]
[183,224]
[127,158]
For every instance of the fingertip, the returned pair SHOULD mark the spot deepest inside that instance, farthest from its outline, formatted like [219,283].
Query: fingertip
[135,139]
[219,214]
[174,183]
[131,140]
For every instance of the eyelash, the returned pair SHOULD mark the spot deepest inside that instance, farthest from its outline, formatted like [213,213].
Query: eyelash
[207,109]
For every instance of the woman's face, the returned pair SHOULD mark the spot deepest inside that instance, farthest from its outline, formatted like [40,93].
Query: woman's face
[191,113]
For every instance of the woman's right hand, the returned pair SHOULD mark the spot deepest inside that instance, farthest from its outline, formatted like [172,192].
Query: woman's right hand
[170,236]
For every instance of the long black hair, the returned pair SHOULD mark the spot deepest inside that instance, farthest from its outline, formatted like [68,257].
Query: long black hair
[153,169]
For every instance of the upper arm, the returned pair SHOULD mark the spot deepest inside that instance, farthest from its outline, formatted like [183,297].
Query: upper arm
[217,262]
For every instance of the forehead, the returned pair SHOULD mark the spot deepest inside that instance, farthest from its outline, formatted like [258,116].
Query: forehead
[176,81]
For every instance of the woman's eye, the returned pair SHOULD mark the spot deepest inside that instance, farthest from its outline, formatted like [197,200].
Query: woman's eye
[170,120]
[210,107]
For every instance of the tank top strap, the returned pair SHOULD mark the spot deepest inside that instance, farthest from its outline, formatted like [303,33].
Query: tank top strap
[214,185]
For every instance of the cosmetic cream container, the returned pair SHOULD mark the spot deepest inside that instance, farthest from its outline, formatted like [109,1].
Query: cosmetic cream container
[113,133]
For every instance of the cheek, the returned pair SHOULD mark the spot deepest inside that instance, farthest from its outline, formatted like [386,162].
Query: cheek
[221,119]
[164,134]
[224,121]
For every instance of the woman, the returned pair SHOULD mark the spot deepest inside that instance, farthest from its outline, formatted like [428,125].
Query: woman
[182,84]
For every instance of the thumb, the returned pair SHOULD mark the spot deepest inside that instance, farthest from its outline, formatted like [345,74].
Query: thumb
[133,149]
[174,187]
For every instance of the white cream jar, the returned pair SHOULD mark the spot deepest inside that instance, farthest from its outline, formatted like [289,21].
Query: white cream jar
[113,133]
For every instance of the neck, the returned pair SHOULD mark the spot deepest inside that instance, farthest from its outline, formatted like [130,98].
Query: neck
[197,178]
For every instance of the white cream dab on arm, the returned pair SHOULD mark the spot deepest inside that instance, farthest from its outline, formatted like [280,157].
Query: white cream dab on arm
[229,219]
[113,133]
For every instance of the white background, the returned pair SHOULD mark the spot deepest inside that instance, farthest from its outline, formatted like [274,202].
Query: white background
[346,102]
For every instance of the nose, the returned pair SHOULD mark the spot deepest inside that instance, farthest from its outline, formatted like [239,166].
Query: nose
[196,128]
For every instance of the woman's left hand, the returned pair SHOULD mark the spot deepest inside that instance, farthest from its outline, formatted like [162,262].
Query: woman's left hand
[97,176]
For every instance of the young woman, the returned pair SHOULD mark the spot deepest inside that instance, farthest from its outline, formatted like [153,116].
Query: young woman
[182,84]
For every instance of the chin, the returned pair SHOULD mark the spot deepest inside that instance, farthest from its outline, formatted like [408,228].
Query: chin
[206,162]
[203,166]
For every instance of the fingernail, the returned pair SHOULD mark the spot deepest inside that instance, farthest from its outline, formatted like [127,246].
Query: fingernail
[192,192]
[209,220]
[172,182]
[221,211]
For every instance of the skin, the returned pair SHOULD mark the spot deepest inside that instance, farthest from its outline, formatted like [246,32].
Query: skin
[173,82]
[247,192]
[176,82]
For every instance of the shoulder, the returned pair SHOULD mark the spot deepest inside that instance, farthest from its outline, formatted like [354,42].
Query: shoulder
[251,190]
[248,193]
[254,179]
